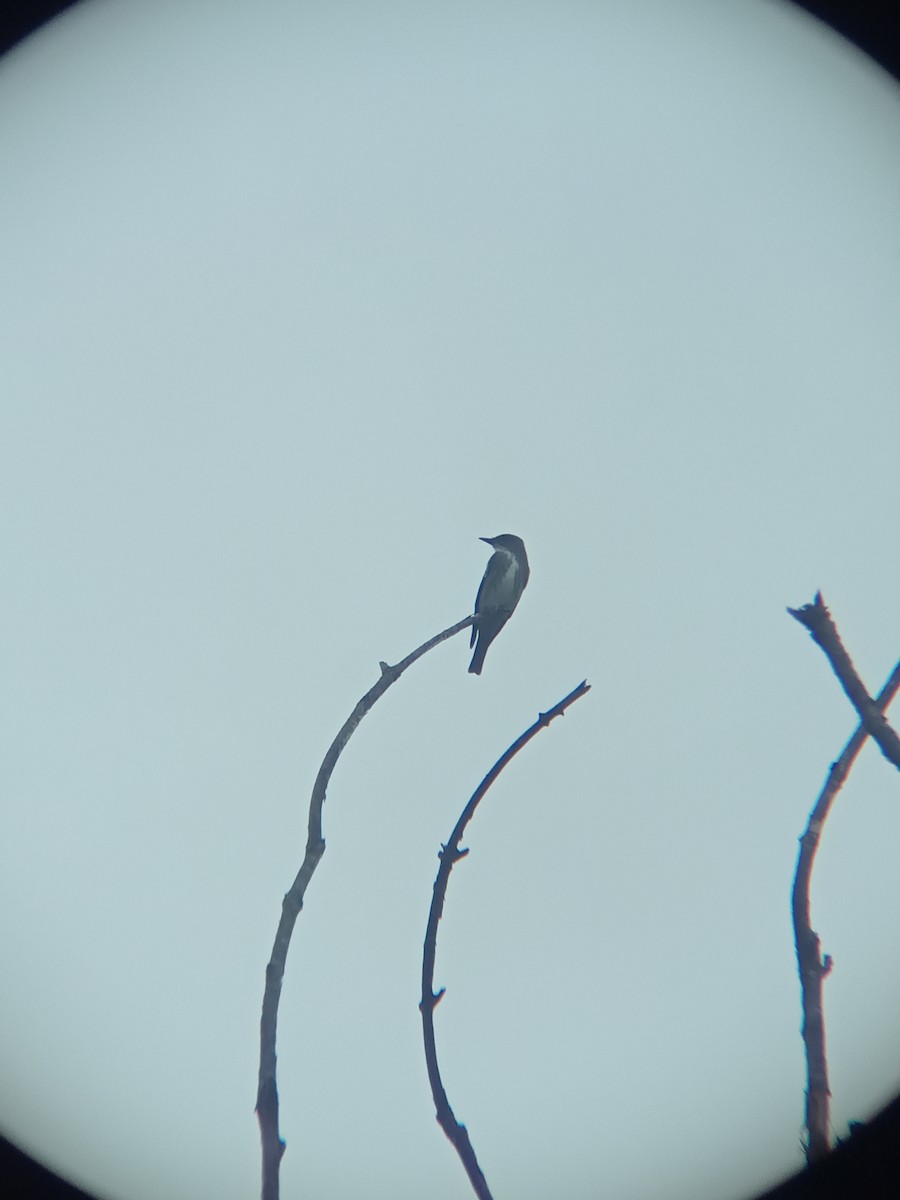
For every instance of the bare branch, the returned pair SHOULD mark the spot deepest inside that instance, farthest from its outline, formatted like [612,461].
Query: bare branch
[817,619]
[812,967]
[449,855]
[267,1094]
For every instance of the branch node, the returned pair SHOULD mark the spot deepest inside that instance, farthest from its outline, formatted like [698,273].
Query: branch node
[433,1000]
[455,852]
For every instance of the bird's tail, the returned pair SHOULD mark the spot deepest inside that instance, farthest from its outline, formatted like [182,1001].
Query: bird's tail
[478,657]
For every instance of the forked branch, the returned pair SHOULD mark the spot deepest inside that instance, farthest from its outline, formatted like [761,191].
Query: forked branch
[817,619]
[812,966]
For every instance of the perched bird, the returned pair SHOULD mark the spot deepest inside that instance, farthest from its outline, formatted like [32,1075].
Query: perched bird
[503,584]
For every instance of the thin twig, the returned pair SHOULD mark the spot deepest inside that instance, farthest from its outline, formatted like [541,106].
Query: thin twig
[267,1094]
[449,855]
[812,967]
[817,619]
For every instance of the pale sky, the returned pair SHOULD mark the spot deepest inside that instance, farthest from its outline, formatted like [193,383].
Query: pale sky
[298,301]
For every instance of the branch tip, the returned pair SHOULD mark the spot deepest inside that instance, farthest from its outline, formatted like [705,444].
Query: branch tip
[811,614]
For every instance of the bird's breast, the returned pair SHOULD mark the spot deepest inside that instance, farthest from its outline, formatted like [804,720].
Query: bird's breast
[505,584]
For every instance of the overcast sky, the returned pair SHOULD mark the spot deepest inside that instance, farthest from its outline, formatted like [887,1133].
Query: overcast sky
[299,301]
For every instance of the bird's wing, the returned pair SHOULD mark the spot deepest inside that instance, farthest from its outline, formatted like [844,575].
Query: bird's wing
[478,604]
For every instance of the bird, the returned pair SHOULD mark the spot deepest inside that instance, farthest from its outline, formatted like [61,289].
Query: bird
[499,593]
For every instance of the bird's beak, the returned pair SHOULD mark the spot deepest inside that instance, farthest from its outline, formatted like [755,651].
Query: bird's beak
[490,541]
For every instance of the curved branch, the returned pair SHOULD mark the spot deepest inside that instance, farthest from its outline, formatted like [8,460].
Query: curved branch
[812,967]
[267,1093]
[449,855]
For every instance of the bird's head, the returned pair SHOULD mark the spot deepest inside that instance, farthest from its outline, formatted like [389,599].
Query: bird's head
[506,541]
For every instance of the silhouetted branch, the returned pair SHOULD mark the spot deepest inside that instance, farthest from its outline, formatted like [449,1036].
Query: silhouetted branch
[817,620]
[449,855]
[811,965]
[267,1094]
